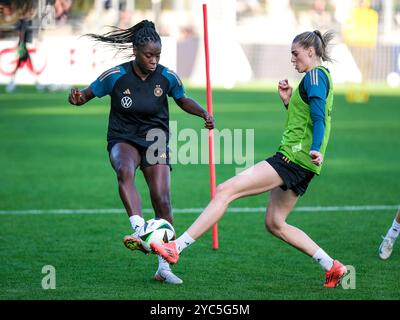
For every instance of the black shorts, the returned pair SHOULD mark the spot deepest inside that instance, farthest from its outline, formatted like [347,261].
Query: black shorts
[294,176]
[147,159]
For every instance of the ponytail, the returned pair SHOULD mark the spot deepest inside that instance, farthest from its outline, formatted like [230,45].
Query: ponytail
[317,40]
[123,39]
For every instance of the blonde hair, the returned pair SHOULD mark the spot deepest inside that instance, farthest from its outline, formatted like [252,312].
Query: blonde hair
[316,40]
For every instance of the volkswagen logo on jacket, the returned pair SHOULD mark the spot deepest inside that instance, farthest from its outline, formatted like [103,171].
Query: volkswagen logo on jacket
[126,102]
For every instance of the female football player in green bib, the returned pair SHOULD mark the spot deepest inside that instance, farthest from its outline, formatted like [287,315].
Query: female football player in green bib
[287,174]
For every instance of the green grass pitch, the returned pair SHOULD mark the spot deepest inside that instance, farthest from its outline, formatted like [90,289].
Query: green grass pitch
[53,156]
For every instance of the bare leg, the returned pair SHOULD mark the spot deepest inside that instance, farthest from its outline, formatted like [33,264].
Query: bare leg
[158,180]
[125,159]
[257,179]
[281,203]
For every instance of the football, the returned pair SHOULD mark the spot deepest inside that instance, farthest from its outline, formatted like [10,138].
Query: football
[156,230]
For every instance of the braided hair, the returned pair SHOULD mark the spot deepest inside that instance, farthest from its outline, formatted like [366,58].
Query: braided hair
[317,40]
[122,39]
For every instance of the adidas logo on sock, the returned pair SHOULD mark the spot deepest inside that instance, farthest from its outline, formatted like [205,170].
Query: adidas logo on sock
[127,91]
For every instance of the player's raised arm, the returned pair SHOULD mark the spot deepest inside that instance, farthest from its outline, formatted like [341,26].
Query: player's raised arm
[79,97]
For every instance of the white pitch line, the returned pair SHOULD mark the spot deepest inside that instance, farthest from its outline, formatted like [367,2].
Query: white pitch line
[199,210]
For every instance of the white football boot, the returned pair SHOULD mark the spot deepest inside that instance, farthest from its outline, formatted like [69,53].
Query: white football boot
[386,247]
[166,275]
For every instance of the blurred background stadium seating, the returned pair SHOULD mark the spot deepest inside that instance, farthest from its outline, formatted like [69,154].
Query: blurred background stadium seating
[250,38]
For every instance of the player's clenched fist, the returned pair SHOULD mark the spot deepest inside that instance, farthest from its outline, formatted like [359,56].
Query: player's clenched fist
[76,97]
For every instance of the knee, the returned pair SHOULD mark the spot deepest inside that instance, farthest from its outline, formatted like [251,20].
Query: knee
[124,174]
[223,192]
[274,226]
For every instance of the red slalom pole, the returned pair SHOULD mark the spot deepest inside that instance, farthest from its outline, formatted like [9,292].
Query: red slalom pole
[210,132]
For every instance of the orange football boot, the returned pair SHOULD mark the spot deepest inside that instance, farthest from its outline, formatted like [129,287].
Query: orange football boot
[335,275]
[166,250]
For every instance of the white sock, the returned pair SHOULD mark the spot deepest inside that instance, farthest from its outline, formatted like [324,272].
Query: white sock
[323,259]
[136,222]
[184,241]
[394,230]
[163,264]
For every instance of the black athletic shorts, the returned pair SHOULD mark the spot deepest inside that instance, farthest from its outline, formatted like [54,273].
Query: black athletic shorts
[294,176]
[157,156]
